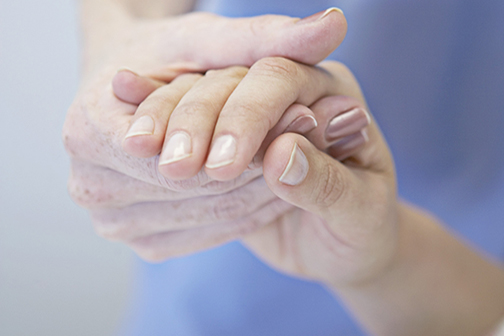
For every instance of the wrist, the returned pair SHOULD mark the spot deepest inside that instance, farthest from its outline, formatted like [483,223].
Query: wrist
[397,254]
[435,285]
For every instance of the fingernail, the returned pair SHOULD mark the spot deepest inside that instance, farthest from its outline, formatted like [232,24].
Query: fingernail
[142,126]
[176,149]
[329,11]
[348,145]
[302,125]
[222,153]
[256,162]
[319,16]
[347,123]
[128,70]
[296,169]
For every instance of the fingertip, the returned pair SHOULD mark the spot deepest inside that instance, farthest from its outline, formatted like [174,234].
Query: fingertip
[132,88]
[142,145]
[285,163]
[324,32]
[302,175]
[221,163]
[182,168]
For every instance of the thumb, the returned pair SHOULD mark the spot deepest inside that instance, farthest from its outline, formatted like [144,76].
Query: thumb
[297,172]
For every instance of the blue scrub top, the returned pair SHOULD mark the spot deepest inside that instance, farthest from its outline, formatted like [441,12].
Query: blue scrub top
[433,74]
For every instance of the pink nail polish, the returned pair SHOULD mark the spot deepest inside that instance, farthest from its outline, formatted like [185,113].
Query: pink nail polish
[347,123]
[302,125]
[319,16]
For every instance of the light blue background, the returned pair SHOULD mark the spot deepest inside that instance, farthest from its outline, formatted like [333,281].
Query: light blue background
[56,277]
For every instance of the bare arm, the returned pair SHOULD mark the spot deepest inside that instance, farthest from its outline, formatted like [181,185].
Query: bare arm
[396,268]
[436,286]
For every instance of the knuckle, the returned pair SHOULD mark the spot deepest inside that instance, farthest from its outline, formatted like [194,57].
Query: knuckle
[233,72]
[213,73]
[89,193]
[236,72]
[156,104]
[245,114]
[85,136]
[330,188]
[189,77]
[277,67]
[196,108]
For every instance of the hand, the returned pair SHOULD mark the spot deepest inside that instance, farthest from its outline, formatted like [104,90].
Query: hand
[344,227]
[346,116]
[104,178]
[97,121]
[251,108]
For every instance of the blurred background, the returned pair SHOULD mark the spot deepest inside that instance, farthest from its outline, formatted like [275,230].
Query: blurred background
[56,276]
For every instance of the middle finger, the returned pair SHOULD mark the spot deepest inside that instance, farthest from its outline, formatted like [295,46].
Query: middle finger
[256,105]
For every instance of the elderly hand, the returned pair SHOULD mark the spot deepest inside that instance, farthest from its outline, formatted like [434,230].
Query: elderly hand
[124,192]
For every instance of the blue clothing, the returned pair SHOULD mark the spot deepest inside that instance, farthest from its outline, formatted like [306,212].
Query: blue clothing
[433,74]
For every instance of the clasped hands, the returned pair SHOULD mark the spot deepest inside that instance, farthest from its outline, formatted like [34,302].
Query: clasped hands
[265,147]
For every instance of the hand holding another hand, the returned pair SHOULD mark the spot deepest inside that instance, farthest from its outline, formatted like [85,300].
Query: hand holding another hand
[344,135]
[123,192]
[310,215]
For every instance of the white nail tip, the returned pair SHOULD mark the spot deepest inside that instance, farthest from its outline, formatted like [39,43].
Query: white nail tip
[132,134]
[220,164]
[175,159]
[330,10]
[296,169]
[176,149]
[222,153]
[142,126]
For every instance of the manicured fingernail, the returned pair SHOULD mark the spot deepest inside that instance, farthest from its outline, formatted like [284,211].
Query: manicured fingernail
[222,153]
[142,126]
[347,123]
[348,145]
[176,149]
[319,16]
[296,169]
[302,125]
